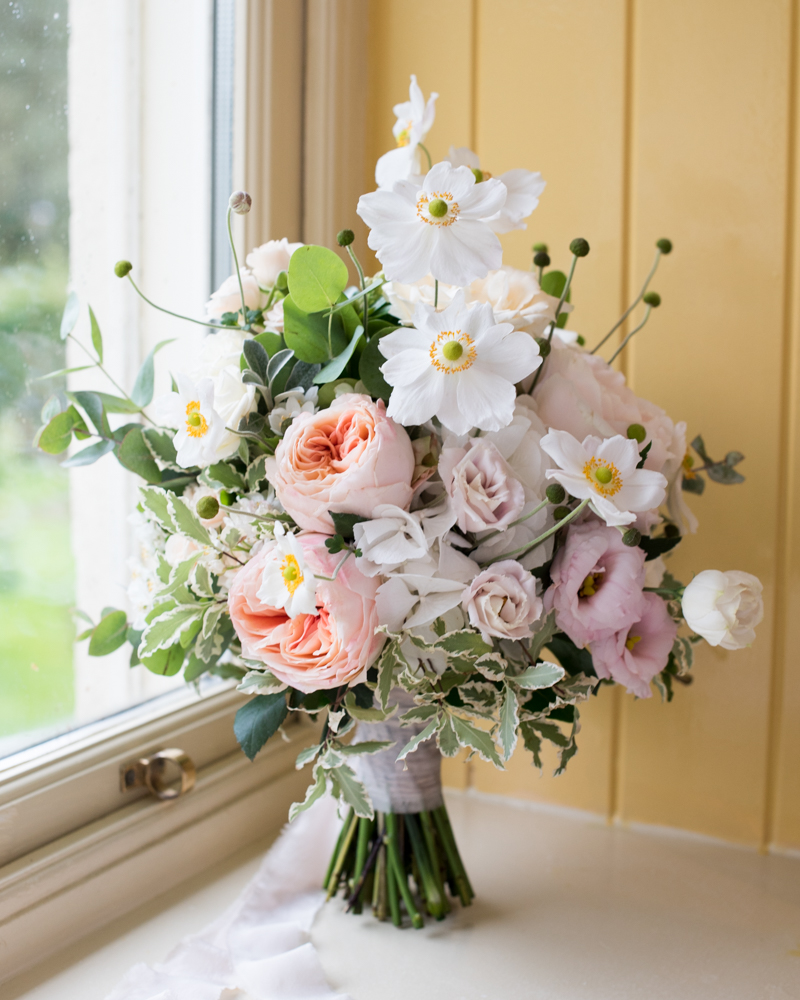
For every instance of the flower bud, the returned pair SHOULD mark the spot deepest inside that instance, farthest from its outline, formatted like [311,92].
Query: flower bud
[122,267]
[540,248]
[345,237]
[544,346]
[555,493]
[631,537]
[542,259]
[240,202]
[665,246]
[652,299]
[561,512]
[636,433]
[478,174]
[225,498]
[579,247]
[207,507]
[282,281]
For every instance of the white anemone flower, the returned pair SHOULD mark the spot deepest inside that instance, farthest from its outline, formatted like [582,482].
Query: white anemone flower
[524,190]
[604,472]
[438,227]
[201,435]
[287,582]
[457,365]
[414,120]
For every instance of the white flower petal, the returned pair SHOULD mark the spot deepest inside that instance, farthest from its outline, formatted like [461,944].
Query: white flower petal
[484,200]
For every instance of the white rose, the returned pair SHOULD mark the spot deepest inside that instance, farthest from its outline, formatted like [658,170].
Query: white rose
[516,297]
[724,608]
[502,601]
[268,260]
[228,297]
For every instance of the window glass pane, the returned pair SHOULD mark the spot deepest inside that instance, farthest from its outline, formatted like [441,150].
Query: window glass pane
[36,564]
[105,152]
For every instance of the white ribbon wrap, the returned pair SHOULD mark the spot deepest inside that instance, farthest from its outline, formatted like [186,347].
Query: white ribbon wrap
[400,786]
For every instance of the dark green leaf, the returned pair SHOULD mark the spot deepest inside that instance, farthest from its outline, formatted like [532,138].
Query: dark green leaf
[572,659]
[553,283]
[317,277]
[88,456]
[142,391]
[699,446]
[259,719]
[97,337]
[643,455]
[109,634]
[135,455]
[334,368]
[70,316]
[369,369]
[344,523]
[695,484]
[302,376]
[722,473]
[655,547]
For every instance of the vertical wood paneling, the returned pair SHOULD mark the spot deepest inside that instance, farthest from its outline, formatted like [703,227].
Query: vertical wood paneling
[653,120]
[709,161]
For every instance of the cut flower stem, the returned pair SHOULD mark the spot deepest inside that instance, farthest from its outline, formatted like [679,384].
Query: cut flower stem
[403,863]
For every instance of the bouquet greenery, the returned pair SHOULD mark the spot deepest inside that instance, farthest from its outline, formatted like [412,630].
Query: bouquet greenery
[417,507]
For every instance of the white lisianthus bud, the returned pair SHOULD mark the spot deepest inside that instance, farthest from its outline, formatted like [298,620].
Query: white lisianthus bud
[724,608]
[240,202]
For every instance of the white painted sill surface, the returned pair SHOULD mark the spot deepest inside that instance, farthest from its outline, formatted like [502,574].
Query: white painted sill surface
[567,909]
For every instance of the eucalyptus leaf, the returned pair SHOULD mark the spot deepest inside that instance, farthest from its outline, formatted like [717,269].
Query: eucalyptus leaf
[270,341]
[88,456]
[317,277]
[109,634]
[56,436]
[334,368]
[135,455]
[92,405]
[165,662]
[142,391]
[97,336]
[117,404]
[70,315]
[307,333]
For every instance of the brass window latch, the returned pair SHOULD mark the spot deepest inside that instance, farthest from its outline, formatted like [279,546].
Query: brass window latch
[159,774]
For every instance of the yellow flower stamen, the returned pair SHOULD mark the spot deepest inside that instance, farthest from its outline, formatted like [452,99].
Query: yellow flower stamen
[590,585]
[452,351]
[687,464]
[196,424]
[426,201]
[604,476]
[404,137]
[291,573]
[631,641]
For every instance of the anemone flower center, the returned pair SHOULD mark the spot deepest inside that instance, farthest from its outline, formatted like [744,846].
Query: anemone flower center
[437,208]
[452,351]
[604,476]
[196,425]
[291,573]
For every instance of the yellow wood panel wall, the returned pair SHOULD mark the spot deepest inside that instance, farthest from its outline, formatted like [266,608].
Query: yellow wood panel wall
[653,119]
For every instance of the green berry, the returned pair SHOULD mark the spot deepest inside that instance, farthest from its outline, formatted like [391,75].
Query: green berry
[579,247]
[555,493]
[665,246]
[542,259]
[207,507]
[636,433]
[122,267]
[345,237]
[652,299]
[631,537]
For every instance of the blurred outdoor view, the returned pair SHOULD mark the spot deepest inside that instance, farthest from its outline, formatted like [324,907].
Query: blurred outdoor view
[36,567]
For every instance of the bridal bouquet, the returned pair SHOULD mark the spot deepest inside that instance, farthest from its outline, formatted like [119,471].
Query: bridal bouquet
[418,508]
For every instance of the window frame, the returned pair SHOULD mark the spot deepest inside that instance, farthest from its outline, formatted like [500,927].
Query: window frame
[70,840]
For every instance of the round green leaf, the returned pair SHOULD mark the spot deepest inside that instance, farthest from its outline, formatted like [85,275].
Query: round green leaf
[317,277]
[109,634]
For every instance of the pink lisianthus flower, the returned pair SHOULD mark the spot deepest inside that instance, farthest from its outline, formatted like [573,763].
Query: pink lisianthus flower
[349,459]
[633,656]
[331,647]
[597,583]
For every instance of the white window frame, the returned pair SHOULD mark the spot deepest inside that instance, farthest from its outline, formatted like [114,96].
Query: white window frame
[71,842]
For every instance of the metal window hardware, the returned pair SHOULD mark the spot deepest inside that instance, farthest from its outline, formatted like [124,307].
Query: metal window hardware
[151,773]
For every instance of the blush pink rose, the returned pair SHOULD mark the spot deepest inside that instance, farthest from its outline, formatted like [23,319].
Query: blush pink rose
[597,583]
[349,459]
[580,393]
[502,601]
[308,652]
[633,656]
[483,490]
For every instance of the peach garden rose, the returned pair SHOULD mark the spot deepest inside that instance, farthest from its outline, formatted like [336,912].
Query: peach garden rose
[349,459]
[309,651]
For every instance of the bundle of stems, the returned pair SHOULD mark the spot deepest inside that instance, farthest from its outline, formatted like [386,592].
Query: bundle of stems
[396,862]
